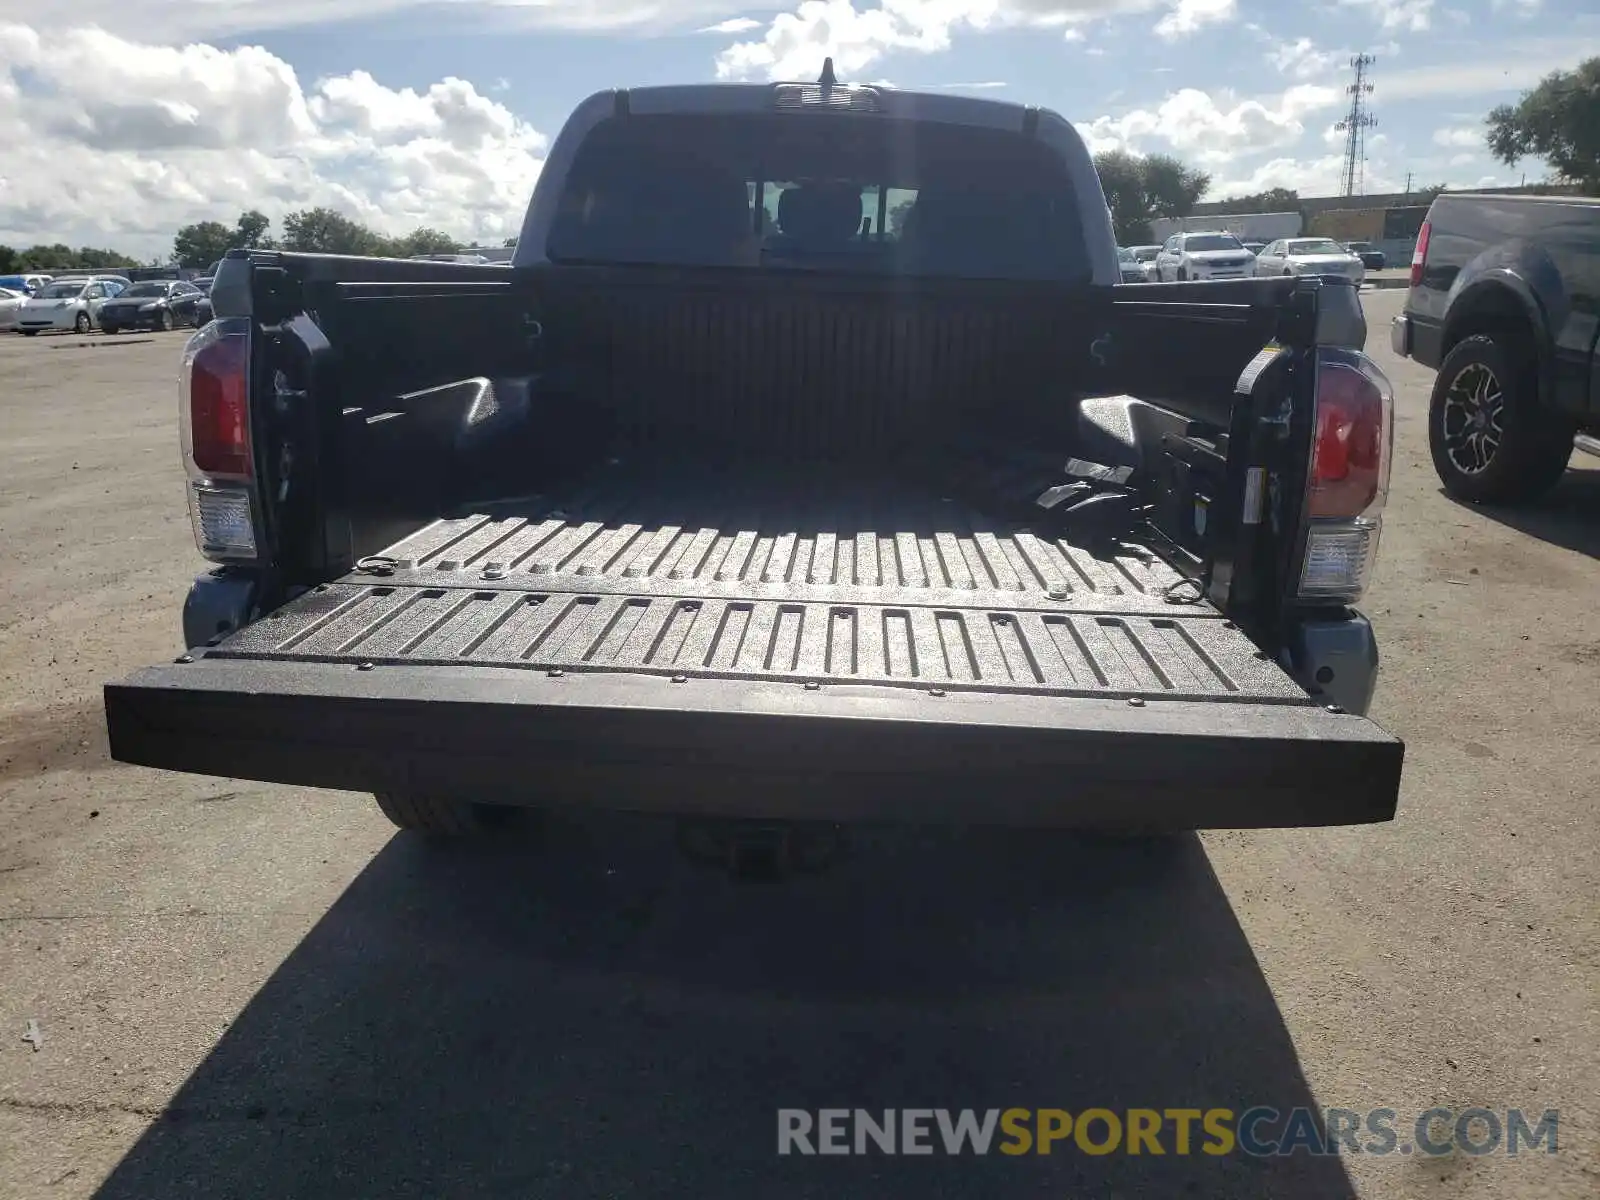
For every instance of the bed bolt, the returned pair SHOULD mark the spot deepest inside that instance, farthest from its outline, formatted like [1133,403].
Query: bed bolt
[1057,592]
[813,687]
[1260,654]
[366,666]
[680,679]
[1135,701]
[494,571]
[1229,625]
[321,587]
[184,658]
[935,692]
[1336,709]
[555,673]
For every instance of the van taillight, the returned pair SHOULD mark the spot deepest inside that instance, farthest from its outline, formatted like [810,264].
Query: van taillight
[1349,476]
[217,377]
[214,413]
[1419,256]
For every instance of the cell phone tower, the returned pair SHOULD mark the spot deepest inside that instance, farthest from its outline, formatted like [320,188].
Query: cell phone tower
[1355,125]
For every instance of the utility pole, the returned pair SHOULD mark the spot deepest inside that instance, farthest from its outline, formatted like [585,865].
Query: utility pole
[1355,125]
[1408,183]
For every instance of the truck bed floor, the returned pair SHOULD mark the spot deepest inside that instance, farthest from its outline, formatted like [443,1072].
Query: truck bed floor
[762,575]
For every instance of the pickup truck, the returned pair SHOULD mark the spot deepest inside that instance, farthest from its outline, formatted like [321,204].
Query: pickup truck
[808,465]
[1505,305]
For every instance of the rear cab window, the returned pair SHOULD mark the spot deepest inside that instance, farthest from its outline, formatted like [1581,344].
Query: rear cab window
[787,192]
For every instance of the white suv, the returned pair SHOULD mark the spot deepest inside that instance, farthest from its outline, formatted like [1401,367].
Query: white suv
[1204,256]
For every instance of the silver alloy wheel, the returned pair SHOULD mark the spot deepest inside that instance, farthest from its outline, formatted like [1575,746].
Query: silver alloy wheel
[1474,412]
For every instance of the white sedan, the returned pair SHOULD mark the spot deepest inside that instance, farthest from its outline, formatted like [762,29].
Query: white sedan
[1310,256]
[10,302]
[1204,256]
[66,304]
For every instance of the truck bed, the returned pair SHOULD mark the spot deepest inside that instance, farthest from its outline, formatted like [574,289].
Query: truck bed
[753,576]
[744,644]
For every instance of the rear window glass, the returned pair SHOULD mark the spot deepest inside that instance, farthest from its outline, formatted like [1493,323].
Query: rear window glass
[789,191]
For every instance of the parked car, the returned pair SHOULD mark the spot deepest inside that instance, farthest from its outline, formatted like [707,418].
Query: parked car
[1309,256]
[1502,304]
[153,304]
[1145,256]
[10,304]
[1371,257]
[769,545]
[64,304]
[1217,255]
[1129,266]
[28,284]
[1255,247]
[118,283]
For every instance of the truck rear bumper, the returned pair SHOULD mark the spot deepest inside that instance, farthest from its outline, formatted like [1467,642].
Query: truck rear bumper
[761,749]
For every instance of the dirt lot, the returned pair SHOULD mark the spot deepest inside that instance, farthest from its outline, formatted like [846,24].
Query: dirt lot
[255,991]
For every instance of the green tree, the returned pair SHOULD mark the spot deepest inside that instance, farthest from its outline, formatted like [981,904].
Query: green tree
[1558,121]
[897,217]
[324,231]
[1140,189]
[510,243]
[201,244]
[1272,200]
[251,230]
[43,258]
[8,260]
[424,241]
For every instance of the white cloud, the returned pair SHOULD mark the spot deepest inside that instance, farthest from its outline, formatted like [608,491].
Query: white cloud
[1301,59]
[732,25]
[176,21]
[1465,138]
[795,43]
[1189,16]
[986,86]
[1521,8]
[1412,16]
[1209,133]
[112,142]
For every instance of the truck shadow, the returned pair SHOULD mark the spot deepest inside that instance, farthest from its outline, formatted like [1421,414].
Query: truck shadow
[586,1013]
[1567,516]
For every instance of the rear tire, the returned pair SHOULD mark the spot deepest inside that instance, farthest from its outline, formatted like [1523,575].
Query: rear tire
[82,324]
[1183,275]
[166,320]
[439,817]
[30,333]
[1491,441]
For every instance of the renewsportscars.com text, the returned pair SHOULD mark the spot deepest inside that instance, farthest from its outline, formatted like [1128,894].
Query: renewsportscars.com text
[1259,1131]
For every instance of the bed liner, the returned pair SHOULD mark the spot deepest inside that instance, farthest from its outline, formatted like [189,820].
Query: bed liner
[880,582]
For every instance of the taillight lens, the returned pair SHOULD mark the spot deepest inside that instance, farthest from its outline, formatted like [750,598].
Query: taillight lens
[1349,476]
[1349,461]
[216,401]
[214,412]
[1419,256]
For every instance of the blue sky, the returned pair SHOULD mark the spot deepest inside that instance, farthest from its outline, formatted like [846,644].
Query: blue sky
[121,119]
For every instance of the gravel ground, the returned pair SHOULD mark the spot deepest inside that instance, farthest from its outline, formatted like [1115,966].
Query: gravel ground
[245,990]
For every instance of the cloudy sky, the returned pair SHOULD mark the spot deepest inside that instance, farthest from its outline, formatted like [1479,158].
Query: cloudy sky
[122,119]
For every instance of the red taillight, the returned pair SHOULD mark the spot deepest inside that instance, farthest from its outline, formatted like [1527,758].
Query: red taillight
[219,409]
[1419,256]
[1348,464]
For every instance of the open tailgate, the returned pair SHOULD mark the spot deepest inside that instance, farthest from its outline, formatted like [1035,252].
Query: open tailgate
[784,706]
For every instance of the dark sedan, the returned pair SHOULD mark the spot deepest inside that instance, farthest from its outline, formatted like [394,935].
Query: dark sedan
[1371,257]
[154,304]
